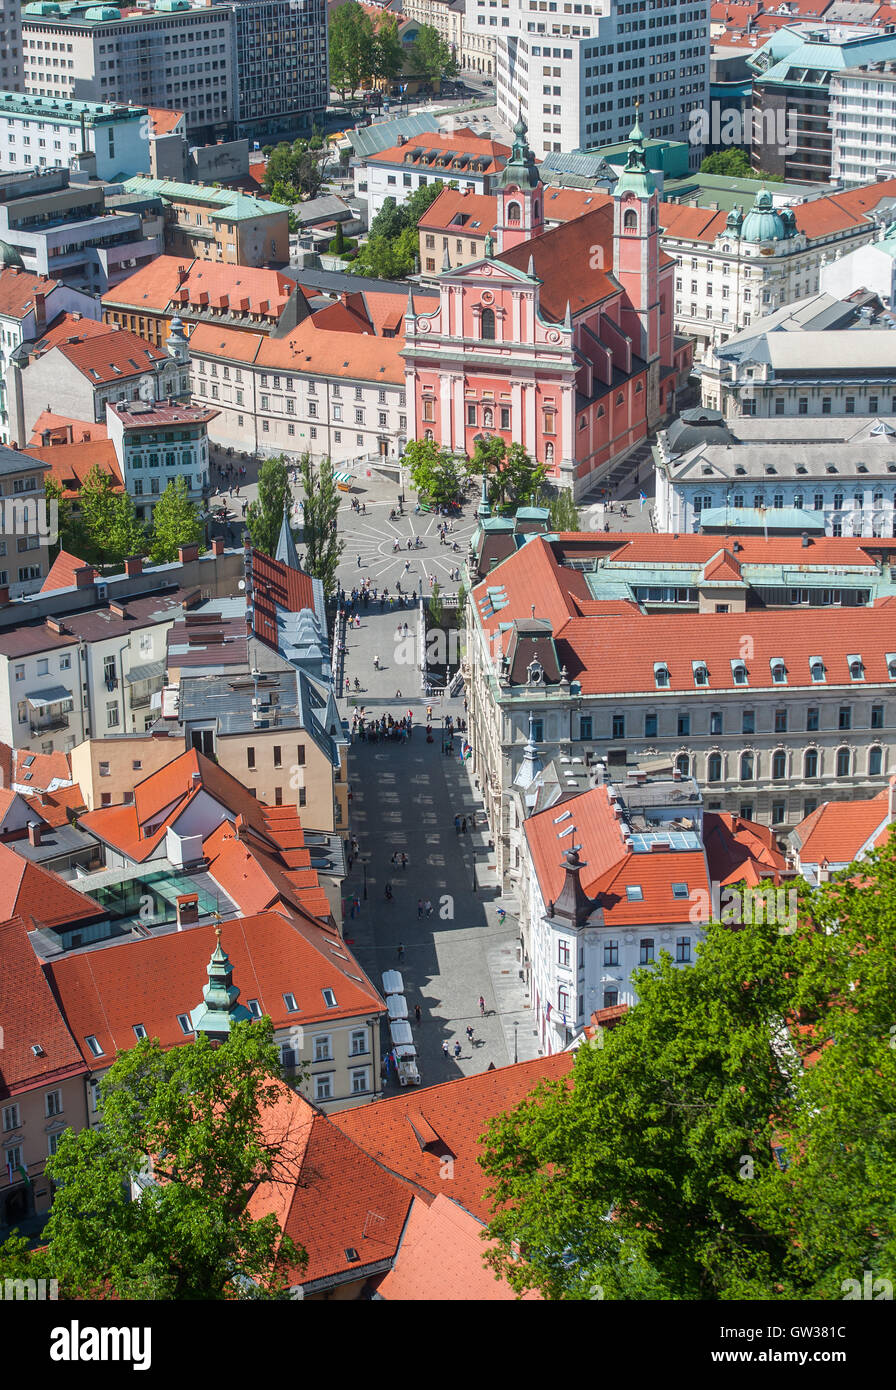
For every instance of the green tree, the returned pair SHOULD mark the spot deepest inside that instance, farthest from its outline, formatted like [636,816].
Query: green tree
[434,471]
[697,1155]
[350,47]
[323,544]
[735,164]
[198,1112]
[436,608]
[264,516]
[175,522]
[110,529]
[67,532]
[461,606]
[564,512]
[394,244]
[512,476]
[431,56]
[388,54]
[390,221]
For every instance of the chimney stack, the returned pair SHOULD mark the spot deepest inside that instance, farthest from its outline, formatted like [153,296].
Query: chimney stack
[187,910]
[34,832]
[133,566]
[84,577]
[186,553]
[218,545]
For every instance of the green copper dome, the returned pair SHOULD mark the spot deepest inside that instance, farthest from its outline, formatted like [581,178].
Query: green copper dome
[9,256]
[520,171]
[102,12]
[763,222]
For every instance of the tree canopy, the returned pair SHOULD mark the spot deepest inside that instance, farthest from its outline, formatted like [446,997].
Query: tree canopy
[512,477]
[192,1120]
[394,242]
[323,544]
[430,56]
[733,1137]
[435,472]
[351,47]
[264,516]
[108,531]
[175,522]
[735,164]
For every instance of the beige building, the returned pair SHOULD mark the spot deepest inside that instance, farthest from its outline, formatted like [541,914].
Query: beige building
[218,224]
[445,16]
[107,769]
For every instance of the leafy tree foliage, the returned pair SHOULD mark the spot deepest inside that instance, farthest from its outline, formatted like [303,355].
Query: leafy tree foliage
[351,46]
[564,512]
[175,522]
[435,472]
[436,608]
[388,54]
[264,516]
[512,476]
[735,164]
[697,1155]
[294,172]
[323,544]
[195,1115]
[108,522]
[431,56]
[394,243]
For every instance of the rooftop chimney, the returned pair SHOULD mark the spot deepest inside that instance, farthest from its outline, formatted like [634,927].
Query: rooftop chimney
[118,609]
[218,545]
[805,540]
[187,909]
[133,566]
[34,832]
[186,553]
[84,577]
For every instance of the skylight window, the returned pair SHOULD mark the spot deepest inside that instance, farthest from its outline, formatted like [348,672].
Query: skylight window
[634,892]
[290,1002]
[94,1045]
[139,1030]
[330,999]
[679,890]
[254,1007]
[185,1024]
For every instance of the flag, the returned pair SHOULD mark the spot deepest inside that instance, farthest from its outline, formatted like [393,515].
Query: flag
[24,1171]
[641,500]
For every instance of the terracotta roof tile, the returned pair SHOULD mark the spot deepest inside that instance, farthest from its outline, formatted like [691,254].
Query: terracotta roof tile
[53,807]
[66,327]
[61,574]
[71,463]
[65,429]
[38,896]
[440,1259]
[458,1112]
[17,290]
[837,830]
[31,1018]
[98,356]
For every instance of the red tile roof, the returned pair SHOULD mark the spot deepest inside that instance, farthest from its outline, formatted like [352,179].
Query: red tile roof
[38,896]
[18,288]
[480,209]
[98,356]
[684,549]
[254,874]
[440,1259]
[104,993]
[411,1133]
[53,807]
[721,568]
[67,328]
[61,574]
[64,429]
[738,850]
[174,284]
[458,142]
[31,1018]
[567,262]
[164,121]
[331,1197]
[34,771]
[837,830]
[71,463]
[275,585]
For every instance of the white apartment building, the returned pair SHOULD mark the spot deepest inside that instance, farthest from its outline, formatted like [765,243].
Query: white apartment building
[172,55]
[157,443]
[42,131]
[10,46]
[576,71]
[863,123]
[28,305]
[25,526]
[472,162]
[826,475]
[87,674]
[333,393]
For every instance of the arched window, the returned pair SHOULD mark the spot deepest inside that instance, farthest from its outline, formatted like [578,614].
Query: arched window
[620,399]
[535,210]
[630,220]
[810,764]
[683,764]
[428,435]
[842,762]
[639,388]
[779,765]
[652,218]
[714,767]
[487,325]
[513,212]
[746,767]
[875,762]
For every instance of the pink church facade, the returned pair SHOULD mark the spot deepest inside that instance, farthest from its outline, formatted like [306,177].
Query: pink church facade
[561,341]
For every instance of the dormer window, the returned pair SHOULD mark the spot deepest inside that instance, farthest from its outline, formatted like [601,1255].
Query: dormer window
[290,1002]
[94,1045]
[739,673]
[816,669]
[661,675]
[779,670]
[701,673]
[856,668]
[891,665]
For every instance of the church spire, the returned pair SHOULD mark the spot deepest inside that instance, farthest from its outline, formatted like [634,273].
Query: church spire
[218,1012]
[286,545]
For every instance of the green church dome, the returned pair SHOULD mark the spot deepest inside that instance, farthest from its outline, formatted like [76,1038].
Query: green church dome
[9,256]
[102,12]
[763,222]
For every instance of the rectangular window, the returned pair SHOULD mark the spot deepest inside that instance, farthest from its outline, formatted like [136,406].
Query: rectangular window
[250,759]
[585,727]
[611,953]
[53,1103]
[10,1117]
[563,952]
[682,949]
[360,1082]
[780,721]
[684,725]
[359,1042]
[323,1087]
[812,719]
[323,1052]
[845,717]
[618,726]
[748,722]
[646,954]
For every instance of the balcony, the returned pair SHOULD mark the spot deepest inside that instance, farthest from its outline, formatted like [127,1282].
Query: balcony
[52,722]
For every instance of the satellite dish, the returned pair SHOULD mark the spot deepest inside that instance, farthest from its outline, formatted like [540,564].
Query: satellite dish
[242,584]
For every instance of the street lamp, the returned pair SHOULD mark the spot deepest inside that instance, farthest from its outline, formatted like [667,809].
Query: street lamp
[516,1038]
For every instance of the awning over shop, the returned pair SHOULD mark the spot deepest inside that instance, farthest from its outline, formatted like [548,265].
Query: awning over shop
[398,1006]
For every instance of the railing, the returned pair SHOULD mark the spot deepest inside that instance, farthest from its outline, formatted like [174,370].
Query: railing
[141,701]
[57,721]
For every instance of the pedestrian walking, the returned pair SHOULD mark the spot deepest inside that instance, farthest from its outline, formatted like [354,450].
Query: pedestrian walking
[359,562]
[457,825]
[417,1013]
[428,907]
[463,826]
[445,1049]
[404,861]
[419,907]
[470,1034]
[401,952]
[481,1006]
[457,1049]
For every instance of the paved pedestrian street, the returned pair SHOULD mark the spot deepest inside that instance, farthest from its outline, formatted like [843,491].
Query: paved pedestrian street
[404,799]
